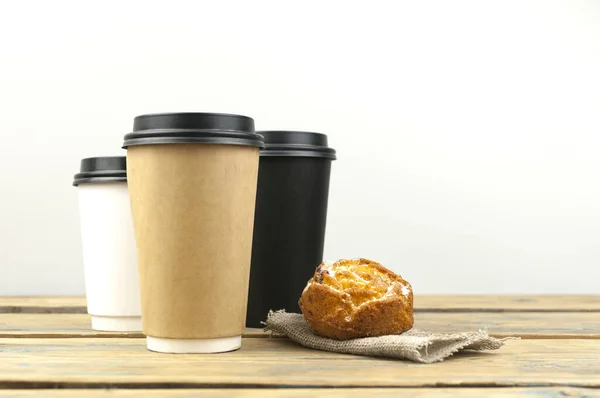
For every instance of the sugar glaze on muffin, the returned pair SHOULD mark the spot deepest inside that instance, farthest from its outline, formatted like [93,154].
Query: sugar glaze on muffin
[357,298]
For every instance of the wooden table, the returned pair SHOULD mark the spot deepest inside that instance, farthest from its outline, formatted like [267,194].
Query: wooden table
[48,349]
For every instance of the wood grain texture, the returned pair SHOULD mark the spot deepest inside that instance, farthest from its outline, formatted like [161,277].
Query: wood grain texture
[45,304]
[52,325]
[63,363]
[524,325]
[509,303]
[547,392]
[66,326]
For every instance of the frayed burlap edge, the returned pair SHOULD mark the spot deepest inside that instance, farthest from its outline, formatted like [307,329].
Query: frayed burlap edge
[415,345]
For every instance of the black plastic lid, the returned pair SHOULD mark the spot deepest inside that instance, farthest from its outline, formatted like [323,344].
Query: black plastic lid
[202,128]
[102,169]
[296,143]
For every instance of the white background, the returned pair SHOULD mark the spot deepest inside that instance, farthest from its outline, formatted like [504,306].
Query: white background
[468,133]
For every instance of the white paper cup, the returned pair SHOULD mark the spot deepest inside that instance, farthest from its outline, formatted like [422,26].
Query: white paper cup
[193,346]
[108,241]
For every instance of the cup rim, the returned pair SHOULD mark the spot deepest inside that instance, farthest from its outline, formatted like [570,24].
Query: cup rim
[193,128]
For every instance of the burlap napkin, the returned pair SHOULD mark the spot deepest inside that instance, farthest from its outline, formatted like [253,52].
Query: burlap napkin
[414,345]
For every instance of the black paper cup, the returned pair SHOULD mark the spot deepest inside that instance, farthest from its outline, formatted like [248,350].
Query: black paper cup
[290,220]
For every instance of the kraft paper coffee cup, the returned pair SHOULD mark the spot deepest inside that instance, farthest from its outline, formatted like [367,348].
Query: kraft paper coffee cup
[192,183]
[290,220]
[108,242]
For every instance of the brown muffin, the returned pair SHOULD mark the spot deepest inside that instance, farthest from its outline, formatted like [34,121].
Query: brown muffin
[357,298]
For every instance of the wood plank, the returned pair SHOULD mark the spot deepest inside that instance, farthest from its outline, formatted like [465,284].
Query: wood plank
[427,303]
[52,325]
[522,324]
[498,303]
[114,363]
[66,326]
[527,325]
[547,392]
[44,304]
